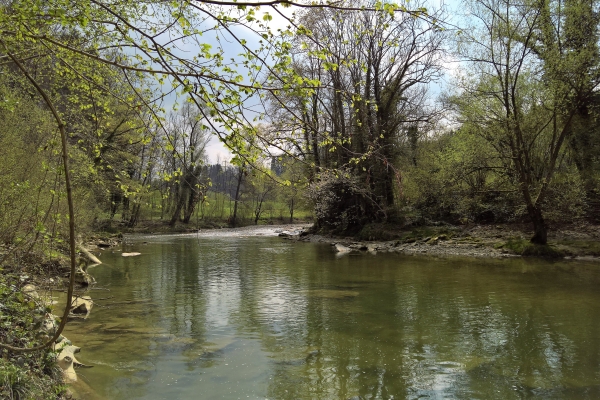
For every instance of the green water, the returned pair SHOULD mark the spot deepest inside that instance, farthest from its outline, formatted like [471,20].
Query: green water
[261,317]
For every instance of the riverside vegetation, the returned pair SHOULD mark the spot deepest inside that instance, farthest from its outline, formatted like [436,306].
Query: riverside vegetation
[106,127]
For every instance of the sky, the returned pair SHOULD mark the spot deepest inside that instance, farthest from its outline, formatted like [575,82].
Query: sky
[216,151]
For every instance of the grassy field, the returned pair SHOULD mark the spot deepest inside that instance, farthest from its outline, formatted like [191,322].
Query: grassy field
[215,211]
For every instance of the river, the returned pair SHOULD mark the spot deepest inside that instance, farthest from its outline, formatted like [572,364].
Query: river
[236,316]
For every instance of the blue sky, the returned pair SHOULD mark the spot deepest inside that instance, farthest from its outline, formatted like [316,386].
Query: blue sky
[215,150]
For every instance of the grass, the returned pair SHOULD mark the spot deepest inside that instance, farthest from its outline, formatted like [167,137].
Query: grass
[213,213]
[377,232]
[525,248]
[580,247]
[385,232]
[32,375]
[428,232]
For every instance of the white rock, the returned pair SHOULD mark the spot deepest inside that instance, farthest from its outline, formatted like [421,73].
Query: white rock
[130,254]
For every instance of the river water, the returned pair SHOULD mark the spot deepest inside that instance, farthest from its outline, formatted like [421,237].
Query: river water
[233,317]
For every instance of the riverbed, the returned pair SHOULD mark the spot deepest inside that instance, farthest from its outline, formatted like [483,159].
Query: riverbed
[228,315]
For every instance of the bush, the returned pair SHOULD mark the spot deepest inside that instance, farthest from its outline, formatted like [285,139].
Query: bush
[341,204]
[32,375]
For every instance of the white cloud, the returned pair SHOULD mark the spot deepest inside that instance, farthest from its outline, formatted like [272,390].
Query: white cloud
[216,151]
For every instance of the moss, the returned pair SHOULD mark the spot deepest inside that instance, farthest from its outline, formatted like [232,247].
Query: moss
[580,247]
[525,248]
[515,245]
[548,251]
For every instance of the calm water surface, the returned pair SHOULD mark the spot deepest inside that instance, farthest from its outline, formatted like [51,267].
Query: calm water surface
[264,318]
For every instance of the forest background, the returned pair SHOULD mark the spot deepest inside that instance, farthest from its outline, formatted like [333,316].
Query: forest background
[334,113]
[329,112]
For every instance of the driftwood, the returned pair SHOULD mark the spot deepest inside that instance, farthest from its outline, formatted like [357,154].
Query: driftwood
[89,255]
[83,278]
[66,351]
[130,254]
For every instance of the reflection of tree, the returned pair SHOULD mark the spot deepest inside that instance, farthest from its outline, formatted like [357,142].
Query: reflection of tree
[357,326]
[425,338]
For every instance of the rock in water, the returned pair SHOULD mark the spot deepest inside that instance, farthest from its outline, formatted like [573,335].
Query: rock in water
[82,306]
[83,278]
[340,248]
[66,360]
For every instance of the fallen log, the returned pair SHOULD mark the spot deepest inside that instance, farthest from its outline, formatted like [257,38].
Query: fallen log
[89,255]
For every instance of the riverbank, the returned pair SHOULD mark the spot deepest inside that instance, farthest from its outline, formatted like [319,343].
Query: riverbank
[575,241]
[23,318]
[492,241]
[30,281]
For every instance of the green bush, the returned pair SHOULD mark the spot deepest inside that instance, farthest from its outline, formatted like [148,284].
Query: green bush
[33,375]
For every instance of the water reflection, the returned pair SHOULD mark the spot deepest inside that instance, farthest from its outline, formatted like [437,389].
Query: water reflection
[264,318]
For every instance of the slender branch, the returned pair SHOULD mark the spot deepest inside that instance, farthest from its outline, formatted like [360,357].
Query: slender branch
[65,157]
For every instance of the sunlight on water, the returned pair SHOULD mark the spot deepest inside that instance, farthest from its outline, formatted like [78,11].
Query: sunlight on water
[222,317]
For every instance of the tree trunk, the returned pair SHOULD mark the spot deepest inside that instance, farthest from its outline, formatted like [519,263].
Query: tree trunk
[540,235]
[115,199]
[135,215]
[125,211]
[237,197]
[177,211]
[257,213]
[291,208]
[192,185]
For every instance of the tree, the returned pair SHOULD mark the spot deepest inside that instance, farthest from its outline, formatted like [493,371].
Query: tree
[137,39]
[517,97]
[186,138]
[567,43]
[375,73]
[262,188]
[294,175]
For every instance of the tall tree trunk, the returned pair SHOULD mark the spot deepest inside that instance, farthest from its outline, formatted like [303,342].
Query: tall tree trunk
[177,213]
[115,199]
[125,211]
[233,221]
[135,215]
[540,235]
[193,198]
